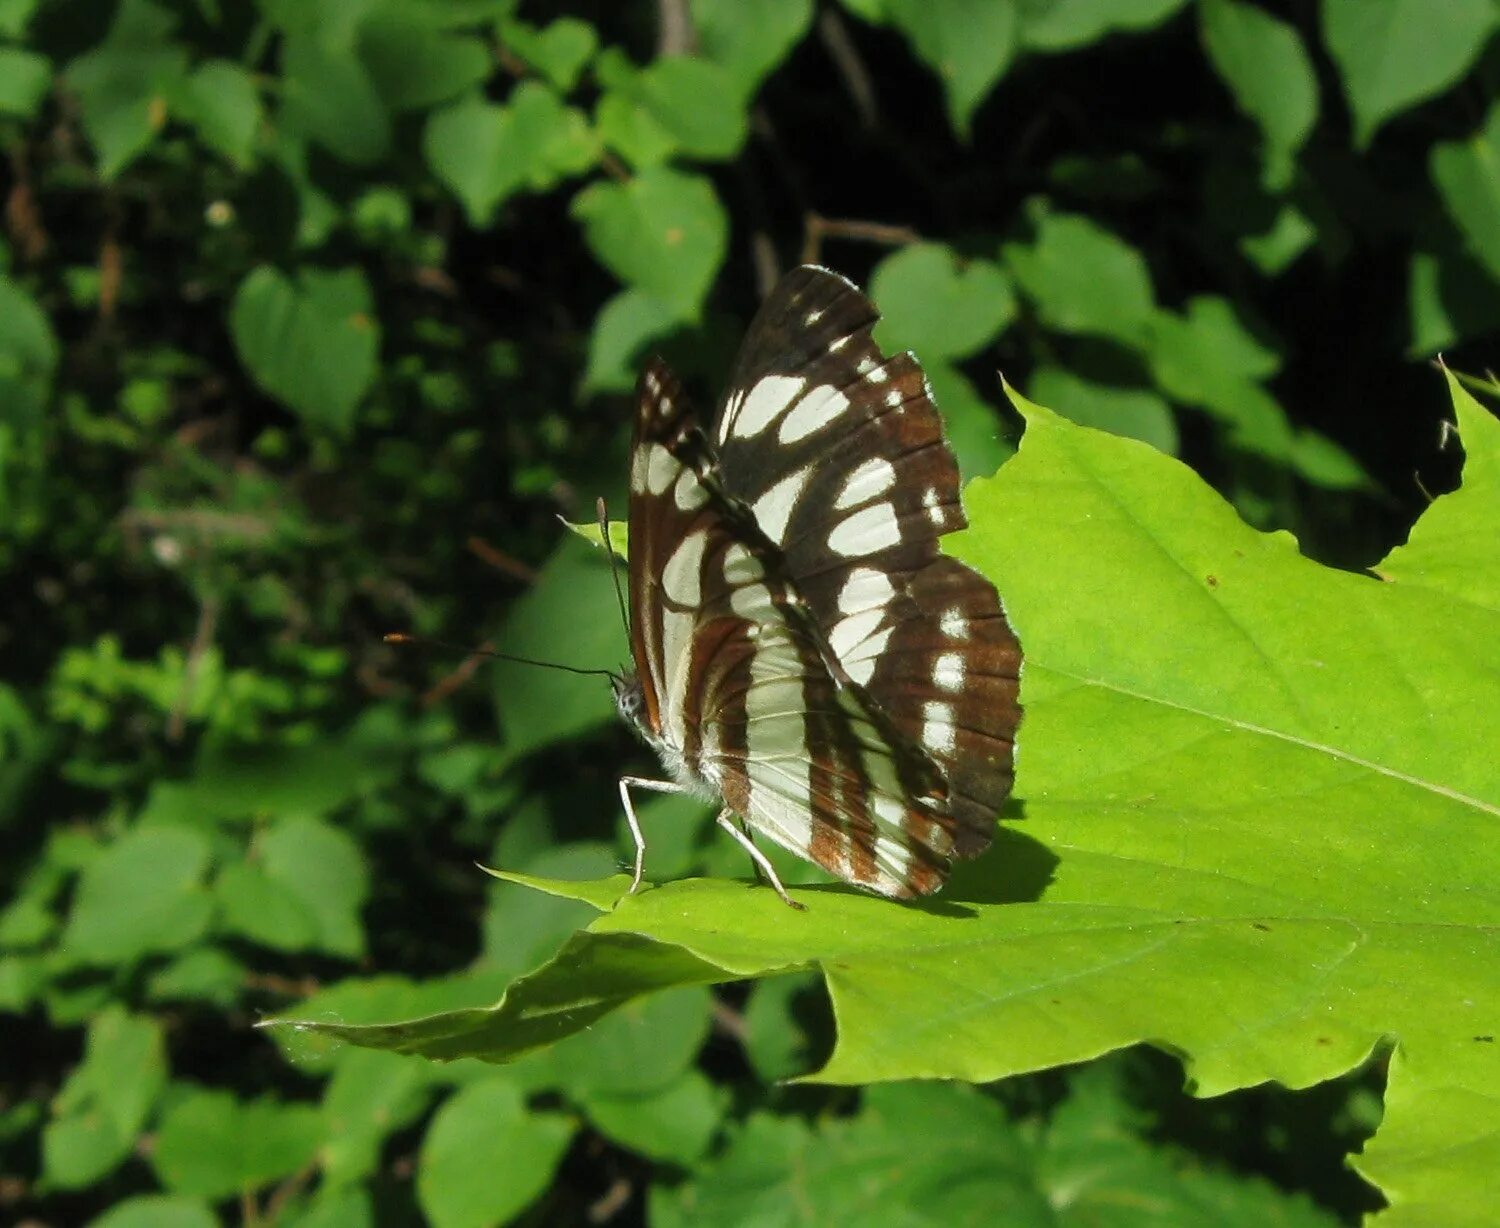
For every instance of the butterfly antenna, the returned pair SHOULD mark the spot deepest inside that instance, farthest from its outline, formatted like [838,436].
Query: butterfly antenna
[400,637]
[614,561]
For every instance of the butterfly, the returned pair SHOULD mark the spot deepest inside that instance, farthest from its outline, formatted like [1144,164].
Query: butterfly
[804,655]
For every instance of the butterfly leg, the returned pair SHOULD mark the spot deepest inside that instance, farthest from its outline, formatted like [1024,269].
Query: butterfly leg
[726,821]
[656,786]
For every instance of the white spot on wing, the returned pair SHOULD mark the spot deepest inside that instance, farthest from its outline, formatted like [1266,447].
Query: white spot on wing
[953,624]
[894,398]
[774,508]
[933,502]
[865,589]
[815,411]
[867,531]
[876,375]
[765,403]
[682,577]
[938,733]
[849,633]
[731,412]
[689,493]
[948,671]
[861,665]
[661,469]
[870,480]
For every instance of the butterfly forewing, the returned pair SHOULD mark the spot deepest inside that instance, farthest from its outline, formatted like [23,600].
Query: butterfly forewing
[839,453]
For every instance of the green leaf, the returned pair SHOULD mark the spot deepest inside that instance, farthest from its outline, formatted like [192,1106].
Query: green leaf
[1263,62]
[939,305]
[694,101]
[324,870]
[1135,413]
[487,153]
[144,894]
[124,84]
[1082,279]
[1212,790]
[1450,298]
[221,101]
[674,1124]
[1467,174]
[523,929]
[971,424]
[750,41]
[625,325]
[638,1050]
[560,52]
[311,342]
[632,132]
[157,1211]
[106,1101]
[1394,53]
[329,97]
[370,1096]
[1062,25]
[215,1146]
[28,346]
[1443,552]
[413,66]
[968,43]
[253,906]
[664,232]
[540,707]
[1206,358]
[25,78]
[485,1158]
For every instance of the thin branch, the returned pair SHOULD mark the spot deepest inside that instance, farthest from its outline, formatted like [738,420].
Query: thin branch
[501,561]
[850,67]
[816,228]
[203,638]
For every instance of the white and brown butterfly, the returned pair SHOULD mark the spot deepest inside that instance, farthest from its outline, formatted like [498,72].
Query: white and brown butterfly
[804,655]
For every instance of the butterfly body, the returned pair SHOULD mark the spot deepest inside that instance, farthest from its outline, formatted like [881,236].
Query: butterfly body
[804,654]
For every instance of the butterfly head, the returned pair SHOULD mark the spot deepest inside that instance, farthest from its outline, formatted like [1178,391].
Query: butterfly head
[630,699]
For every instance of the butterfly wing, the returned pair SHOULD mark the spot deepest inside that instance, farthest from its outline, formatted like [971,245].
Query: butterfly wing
[839,453]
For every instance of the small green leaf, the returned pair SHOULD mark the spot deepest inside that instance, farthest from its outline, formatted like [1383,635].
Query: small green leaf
[1450,298]
[1268,70]
[486,1158]
[329,97]
[639,1049]
[157,1211]
[971,424]
[215,1146]
[144,894]
[106,1101]
[253,906]
[370,1096]
[939,305]
[1135,413]
[487,153]
[324,869]
[1467,174]
[632,131]
[311,342]
[750,40]
[224,105]
[414,66]
[1394,53]
[1205,356]
[665,232]
[625,325]
[1083,279]
[674,1124]
[124,84]
[1062,25]
[25,78]
[696,102]
[560,51]
[968,43]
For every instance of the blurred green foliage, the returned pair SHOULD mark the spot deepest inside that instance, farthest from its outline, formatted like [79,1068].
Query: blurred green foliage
[313,319]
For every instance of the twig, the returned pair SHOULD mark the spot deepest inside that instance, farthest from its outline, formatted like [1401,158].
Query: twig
[675,33]
[816,228]
[608,1204]
[729,1021]
[287,986]
[203,636]
[501,561]
[289,1189]
[458,678]
[851,69]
